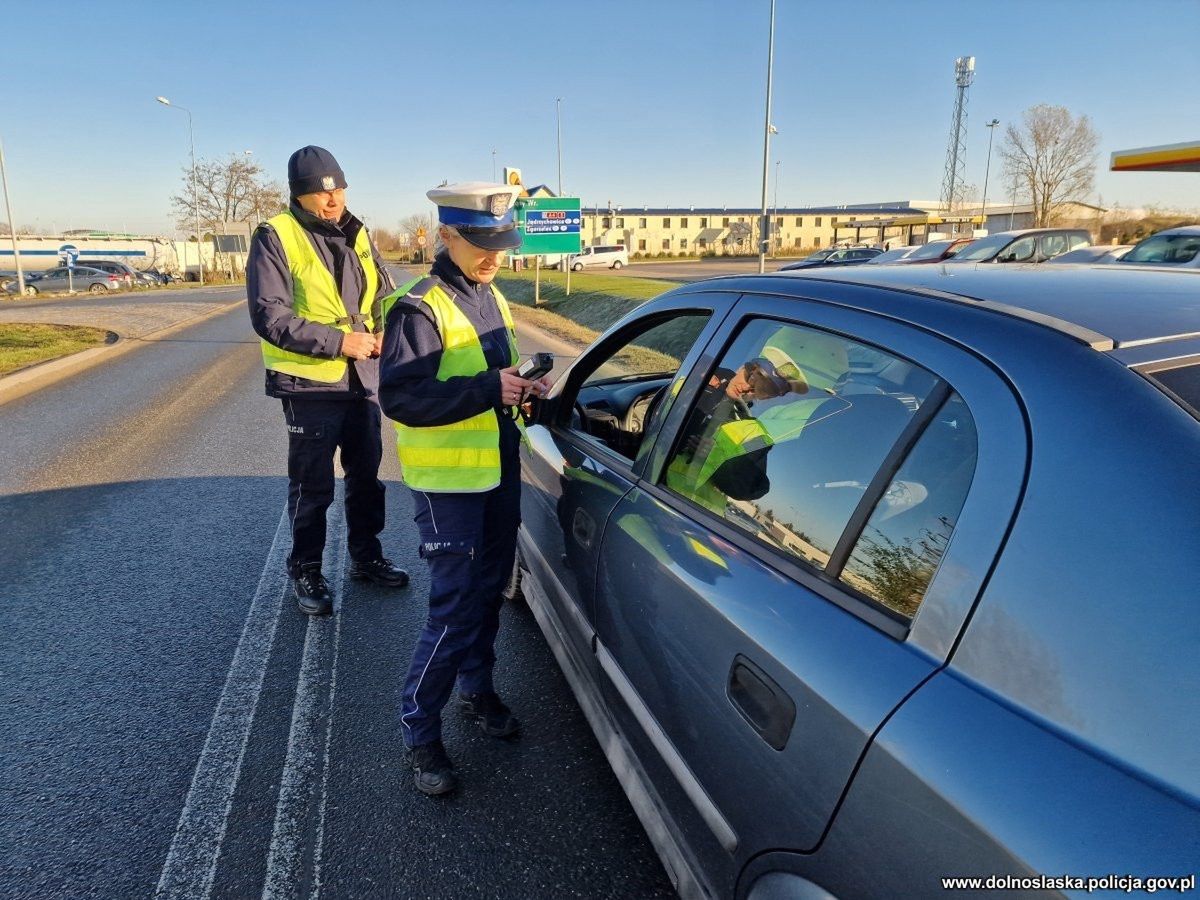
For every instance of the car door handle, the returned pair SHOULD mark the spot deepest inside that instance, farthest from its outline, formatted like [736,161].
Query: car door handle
[760,700]
[583,528]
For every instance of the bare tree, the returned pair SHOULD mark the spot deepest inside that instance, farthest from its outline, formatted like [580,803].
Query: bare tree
[1053,155]
[21,229]
[228,190]
[410,227]
[386,241]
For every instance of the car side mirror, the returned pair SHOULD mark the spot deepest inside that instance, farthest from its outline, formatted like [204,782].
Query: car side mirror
[542,410]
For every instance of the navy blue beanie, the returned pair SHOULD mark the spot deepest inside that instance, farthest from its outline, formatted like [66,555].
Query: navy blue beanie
[313,169]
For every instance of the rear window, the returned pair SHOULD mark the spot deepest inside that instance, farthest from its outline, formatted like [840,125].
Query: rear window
[1183,382]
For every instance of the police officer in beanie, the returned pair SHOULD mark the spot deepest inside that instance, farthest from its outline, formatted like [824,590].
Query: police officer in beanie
[448,378]
[314,284]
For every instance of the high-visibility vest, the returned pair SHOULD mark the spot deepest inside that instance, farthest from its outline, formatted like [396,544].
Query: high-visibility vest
[462,457]
[693,477]
[315,297]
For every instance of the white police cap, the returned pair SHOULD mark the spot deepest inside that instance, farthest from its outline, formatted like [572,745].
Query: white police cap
[480,211]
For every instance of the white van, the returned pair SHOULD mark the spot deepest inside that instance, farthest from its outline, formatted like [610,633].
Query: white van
[612,256]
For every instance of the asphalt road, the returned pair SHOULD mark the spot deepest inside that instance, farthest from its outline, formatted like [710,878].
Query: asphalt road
[171,723]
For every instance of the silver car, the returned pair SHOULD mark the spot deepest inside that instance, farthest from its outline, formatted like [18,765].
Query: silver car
[1178,248]
[83,278]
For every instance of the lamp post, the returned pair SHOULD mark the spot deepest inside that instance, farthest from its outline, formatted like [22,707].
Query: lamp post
[767,129]
[558,121]
[775,215]
[12,228]
[493,165]
[991,127]
[195,193]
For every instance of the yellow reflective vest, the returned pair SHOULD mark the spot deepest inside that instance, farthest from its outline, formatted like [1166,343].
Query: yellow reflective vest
[316,297]
[462,457]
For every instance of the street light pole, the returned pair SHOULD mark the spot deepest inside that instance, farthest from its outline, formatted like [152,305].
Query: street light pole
[762,222]
[558,120]
[991,127]
[12,227]
[195,193]
[775,215]
[493,165]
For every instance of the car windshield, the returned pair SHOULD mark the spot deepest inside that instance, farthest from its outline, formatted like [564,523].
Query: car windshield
[984,248]
[932,250]
[818,256]
[1165,249]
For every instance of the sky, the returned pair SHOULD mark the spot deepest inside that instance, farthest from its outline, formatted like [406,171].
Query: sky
[663,101]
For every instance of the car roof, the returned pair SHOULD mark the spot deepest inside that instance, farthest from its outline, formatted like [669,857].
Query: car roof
[1107,307]
[1182,229]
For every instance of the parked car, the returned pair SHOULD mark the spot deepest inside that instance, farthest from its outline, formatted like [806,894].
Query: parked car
[864,583]
[893,256]
[124,271]
[613,257]
[1031,245]
[839,256]
[10,284]
[1178,247]
[83,278]
[936,251]
[1101,255]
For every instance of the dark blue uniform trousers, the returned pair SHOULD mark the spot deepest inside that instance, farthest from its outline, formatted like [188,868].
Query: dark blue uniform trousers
[469,542]
[316,428]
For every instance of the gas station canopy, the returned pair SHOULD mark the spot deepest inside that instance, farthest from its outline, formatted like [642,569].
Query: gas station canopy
[1167,158]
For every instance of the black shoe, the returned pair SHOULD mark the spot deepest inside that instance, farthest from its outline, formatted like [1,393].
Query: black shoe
[380,571]
[312,592]
[433,773]
[494,718]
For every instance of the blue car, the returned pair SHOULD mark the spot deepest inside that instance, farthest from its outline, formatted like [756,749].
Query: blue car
[876,577]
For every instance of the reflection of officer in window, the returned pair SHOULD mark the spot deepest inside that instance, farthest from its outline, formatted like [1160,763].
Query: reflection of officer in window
[725,449]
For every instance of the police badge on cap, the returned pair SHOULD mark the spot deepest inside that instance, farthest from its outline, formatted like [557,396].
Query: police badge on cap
[327,183]
[481,212]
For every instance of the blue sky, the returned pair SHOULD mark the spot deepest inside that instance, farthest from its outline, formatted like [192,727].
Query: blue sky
[663,102]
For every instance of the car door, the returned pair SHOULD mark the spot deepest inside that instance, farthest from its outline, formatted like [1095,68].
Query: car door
[751,650]
[580,456]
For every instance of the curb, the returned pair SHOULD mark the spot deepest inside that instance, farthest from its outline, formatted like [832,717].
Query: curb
[39,375]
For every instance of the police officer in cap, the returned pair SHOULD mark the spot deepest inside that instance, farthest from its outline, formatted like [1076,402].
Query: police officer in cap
[315,284]
[448,378]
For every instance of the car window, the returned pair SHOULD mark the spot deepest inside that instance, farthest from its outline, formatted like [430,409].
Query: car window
[1183,382]
[789,431]
[1053,244]
[1169,249]
[906,535]
[617,400]
[1018,251]
[1077,240]
[932,250]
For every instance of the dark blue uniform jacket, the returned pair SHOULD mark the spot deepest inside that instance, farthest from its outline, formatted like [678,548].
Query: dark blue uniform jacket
[269,294]
[409,391]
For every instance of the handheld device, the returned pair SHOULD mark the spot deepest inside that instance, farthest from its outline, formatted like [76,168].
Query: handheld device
[536,366]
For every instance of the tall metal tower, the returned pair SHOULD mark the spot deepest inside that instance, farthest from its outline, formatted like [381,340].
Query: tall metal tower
[956,149]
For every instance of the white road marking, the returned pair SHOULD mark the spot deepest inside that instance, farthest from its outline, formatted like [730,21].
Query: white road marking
[314,699]
[192,860]
[320,840]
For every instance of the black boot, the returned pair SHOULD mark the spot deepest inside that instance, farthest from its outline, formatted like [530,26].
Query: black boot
[433,773]
[494,718]
[381,571]
[312,591]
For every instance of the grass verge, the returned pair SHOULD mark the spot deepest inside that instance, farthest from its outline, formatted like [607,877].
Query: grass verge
[23,345]
[596,301]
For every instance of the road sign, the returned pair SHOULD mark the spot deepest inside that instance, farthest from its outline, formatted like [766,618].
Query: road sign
[69,254]
[420,239]
[549,225]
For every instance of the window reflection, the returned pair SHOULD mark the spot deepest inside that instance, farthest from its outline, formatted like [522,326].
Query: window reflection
[789,431]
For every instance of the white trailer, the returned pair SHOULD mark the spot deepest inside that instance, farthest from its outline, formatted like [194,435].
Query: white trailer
[42,252]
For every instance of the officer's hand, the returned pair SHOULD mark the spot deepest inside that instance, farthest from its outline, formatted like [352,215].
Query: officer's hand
[378,348]
[513,387]
[357,345]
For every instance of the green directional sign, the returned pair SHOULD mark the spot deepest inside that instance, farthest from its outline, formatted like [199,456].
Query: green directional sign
[549,225]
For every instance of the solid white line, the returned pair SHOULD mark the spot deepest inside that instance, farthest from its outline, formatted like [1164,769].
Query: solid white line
[192,860]
[320,839]
[300,768]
